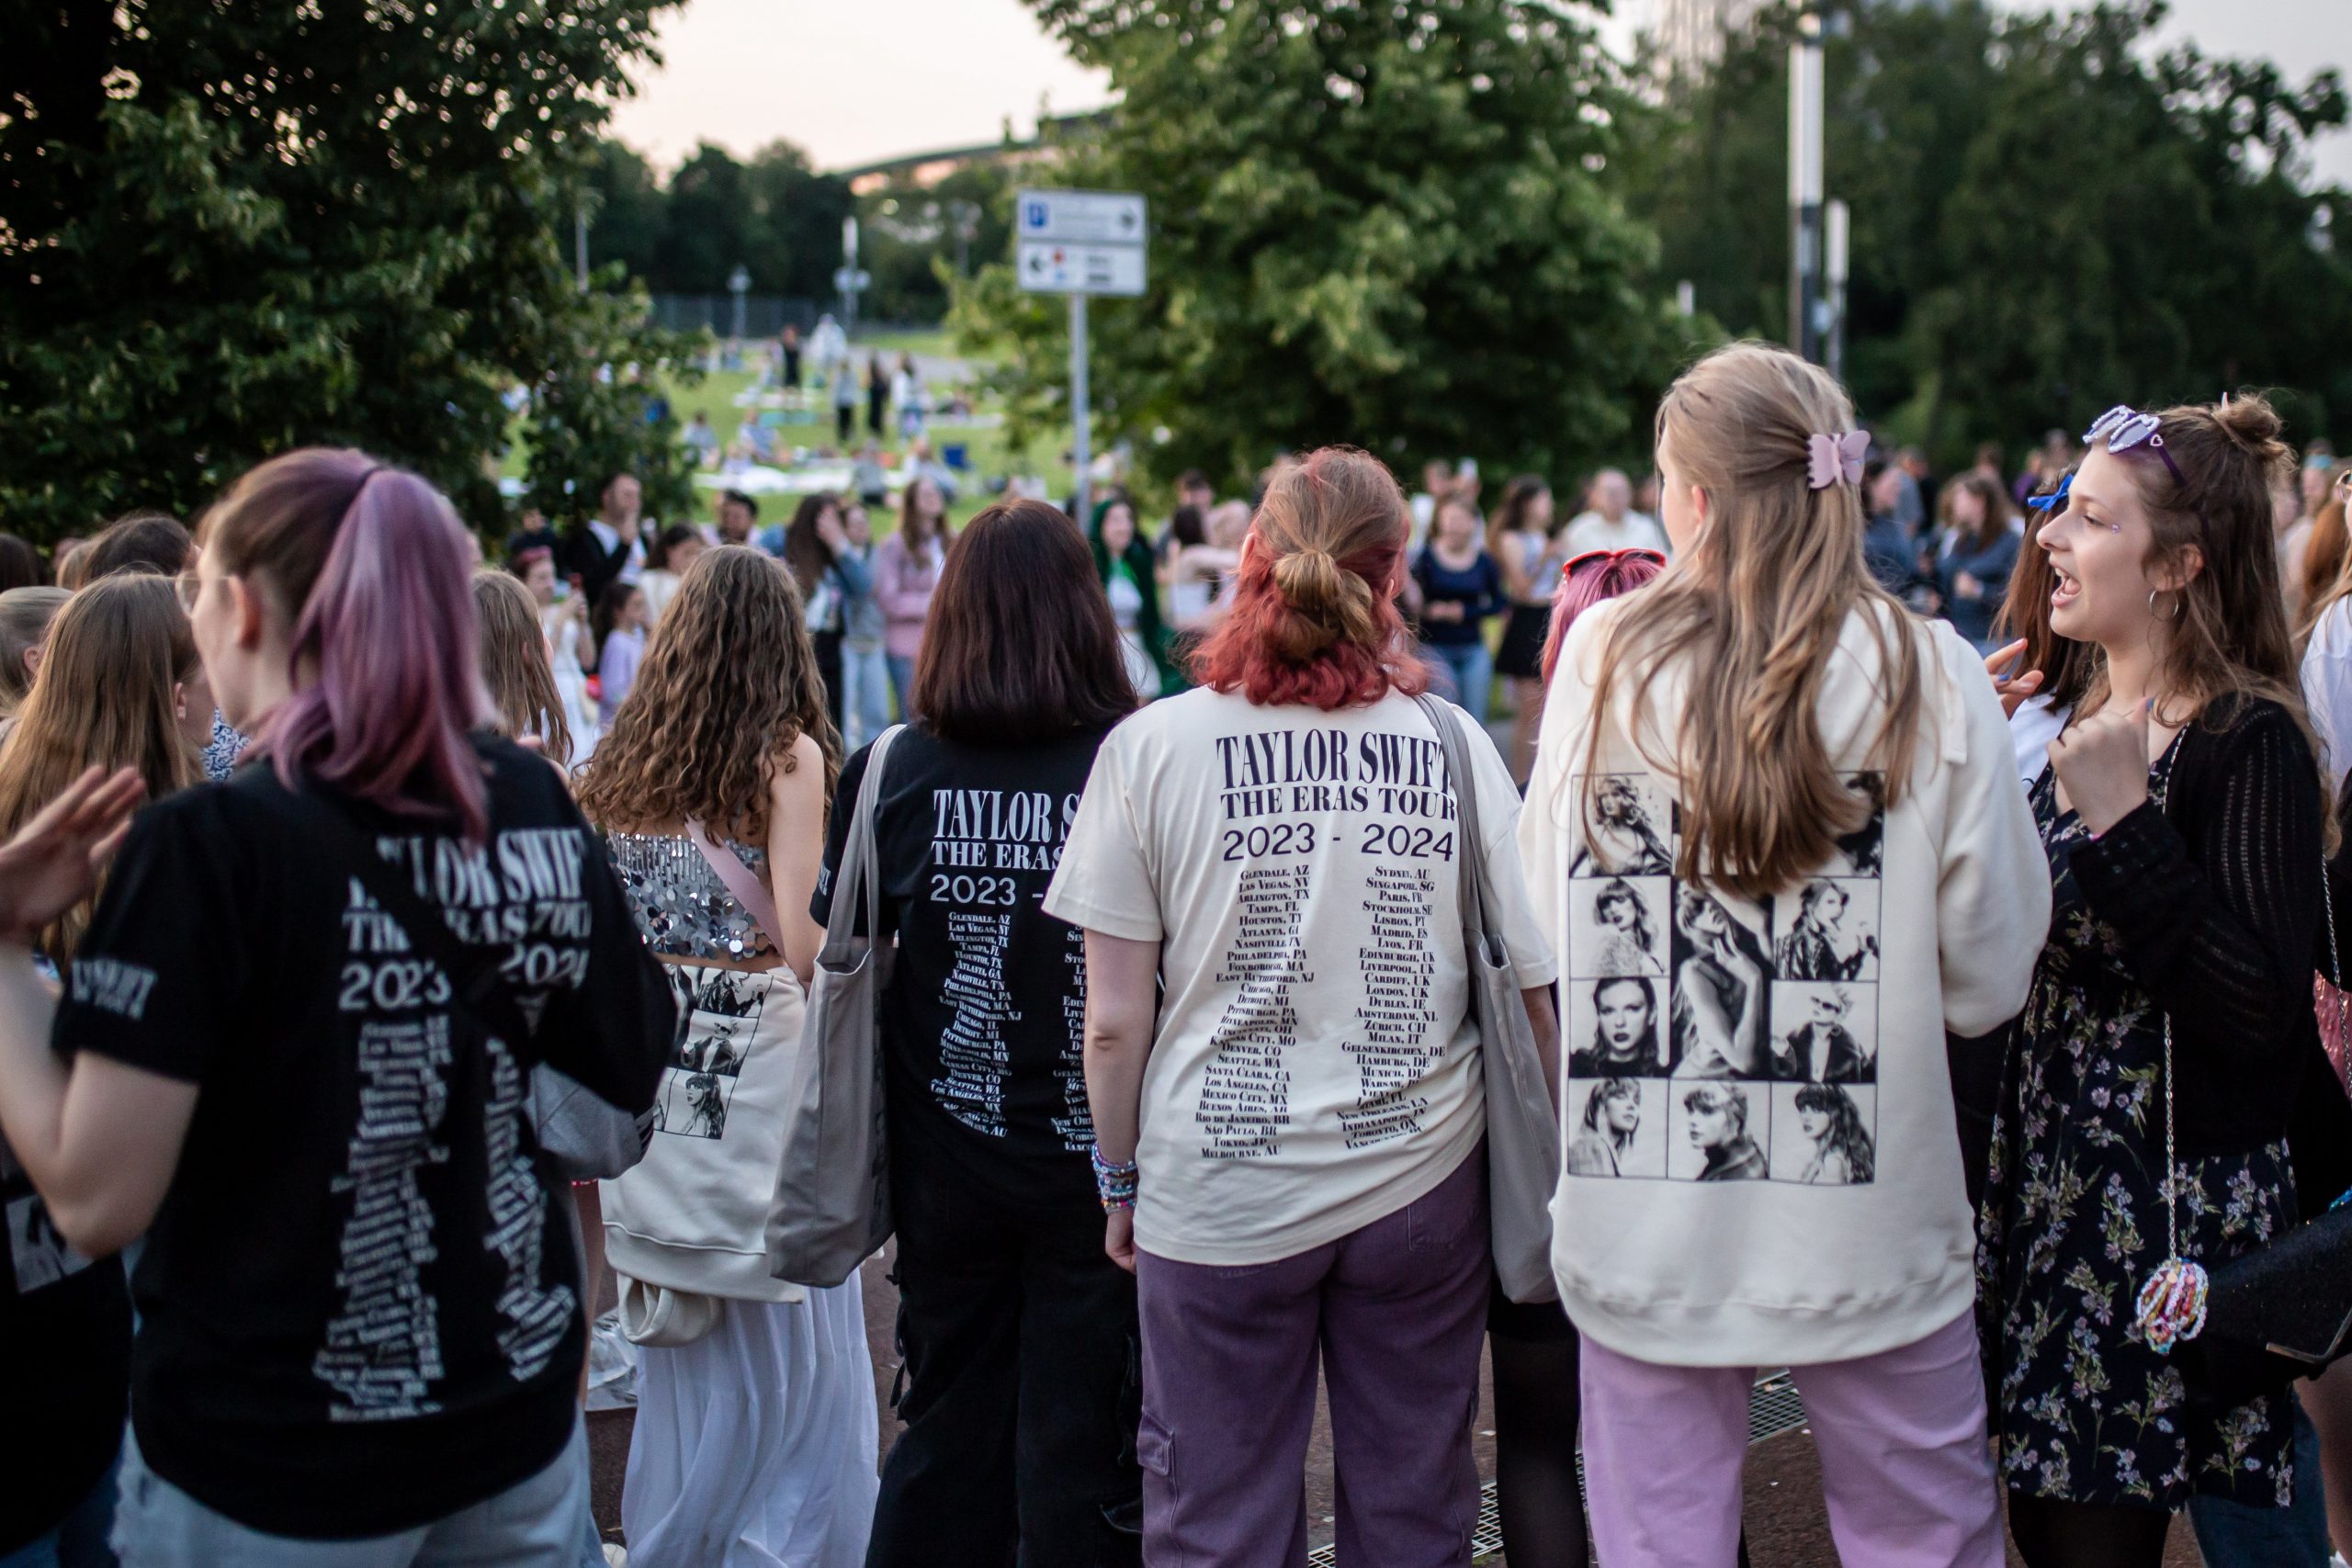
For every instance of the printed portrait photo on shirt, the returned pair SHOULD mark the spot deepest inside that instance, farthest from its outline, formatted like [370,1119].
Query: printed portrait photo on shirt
[1619,1126]
[1619,925]
[1825,1032]
[1825,1135]
[1722,1004]
[1617,1028]
[1719,1131]
[1629,826]
[1826,929]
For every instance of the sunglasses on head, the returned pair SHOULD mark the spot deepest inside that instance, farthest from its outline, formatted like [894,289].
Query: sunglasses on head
[1637,552]
[2125,428]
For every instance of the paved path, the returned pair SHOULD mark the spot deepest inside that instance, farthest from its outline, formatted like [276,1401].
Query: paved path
[1787,1525]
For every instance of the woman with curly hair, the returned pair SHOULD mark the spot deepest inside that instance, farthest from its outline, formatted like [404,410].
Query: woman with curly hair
[1842,1153]
[755,1425]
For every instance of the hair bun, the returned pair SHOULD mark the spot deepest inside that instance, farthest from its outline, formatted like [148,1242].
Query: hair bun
[1310,582]
[2248,419]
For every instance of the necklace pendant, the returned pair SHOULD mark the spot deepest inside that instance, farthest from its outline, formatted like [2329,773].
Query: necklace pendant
[2172,1304]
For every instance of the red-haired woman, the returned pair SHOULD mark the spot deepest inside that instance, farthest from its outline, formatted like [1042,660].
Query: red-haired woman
[361,1306]
[1292,1158]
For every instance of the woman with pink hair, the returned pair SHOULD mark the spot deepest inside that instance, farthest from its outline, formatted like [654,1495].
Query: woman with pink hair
[294,1053]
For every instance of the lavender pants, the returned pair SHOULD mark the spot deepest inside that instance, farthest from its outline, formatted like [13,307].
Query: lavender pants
[1398,1311]
[1905,1467]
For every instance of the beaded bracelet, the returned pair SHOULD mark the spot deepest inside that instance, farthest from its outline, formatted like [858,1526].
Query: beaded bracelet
[1114,1180]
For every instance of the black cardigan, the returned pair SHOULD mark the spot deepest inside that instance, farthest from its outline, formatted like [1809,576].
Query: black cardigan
[2215,899]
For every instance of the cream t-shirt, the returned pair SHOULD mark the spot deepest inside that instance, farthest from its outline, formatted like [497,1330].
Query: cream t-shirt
[1315,1067]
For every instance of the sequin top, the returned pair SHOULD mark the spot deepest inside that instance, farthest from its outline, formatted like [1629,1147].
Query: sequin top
[680,904]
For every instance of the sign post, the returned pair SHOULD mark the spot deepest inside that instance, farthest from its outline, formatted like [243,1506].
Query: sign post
[1079,242]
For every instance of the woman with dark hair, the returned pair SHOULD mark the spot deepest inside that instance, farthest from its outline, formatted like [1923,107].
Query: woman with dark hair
[2143,1127]
[906,572]
[360,1315]
[139,541]
[675,551]
[1976,551]
[1841,1153]
[833,581]
[20,565]
[1289,1143]
[1122,561]
[1624,1040]
[1718,990]
[1015,1327]
[1523,538]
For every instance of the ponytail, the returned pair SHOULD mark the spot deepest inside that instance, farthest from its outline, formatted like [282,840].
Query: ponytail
[372,564]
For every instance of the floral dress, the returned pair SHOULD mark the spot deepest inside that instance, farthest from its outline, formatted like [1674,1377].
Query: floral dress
[2073,1223]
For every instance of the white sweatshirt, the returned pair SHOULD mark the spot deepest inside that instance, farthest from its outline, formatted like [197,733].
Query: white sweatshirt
[1762,1163]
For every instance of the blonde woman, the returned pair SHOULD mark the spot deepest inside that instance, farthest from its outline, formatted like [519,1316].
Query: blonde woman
[755,1436]
[111,691]
[1783,719]
[516,667]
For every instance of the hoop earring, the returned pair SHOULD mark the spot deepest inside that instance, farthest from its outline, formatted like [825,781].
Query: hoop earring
[2174,616]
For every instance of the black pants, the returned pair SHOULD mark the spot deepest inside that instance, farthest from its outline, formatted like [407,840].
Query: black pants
[1020,1384]
[844,423]
[828,670]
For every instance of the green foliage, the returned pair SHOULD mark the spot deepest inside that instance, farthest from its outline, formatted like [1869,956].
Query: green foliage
[226,230]
[918,240]
[1390,226]
[588,421]
[774,215]
[2048,217]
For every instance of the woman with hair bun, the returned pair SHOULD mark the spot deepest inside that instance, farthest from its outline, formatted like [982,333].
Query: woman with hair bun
[2141,1133]
[360,1318]
[1291,1159]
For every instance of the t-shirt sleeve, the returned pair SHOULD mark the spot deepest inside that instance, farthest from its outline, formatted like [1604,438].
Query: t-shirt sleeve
[821,902]
[1498,808]
[1104,882]
[155,980]
[615,1031]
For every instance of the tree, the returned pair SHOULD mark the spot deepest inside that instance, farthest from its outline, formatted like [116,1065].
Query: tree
[775,217]
[2047,218]
[1385,225]
[230,231]
[919,238]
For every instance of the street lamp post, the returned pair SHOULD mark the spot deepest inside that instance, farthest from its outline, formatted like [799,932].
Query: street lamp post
[738,284]
[1805,248]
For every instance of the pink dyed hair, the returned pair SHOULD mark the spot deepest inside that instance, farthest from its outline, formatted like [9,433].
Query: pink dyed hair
[371,562]
[1591,580]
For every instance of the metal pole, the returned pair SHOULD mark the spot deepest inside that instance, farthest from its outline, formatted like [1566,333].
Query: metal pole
[1080,432]
[580,243]
[1805,74]
[849,266]
[1833,307]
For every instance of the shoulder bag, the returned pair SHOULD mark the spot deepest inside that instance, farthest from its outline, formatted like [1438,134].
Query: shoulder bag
[1522,1128]
[831,1210]
[2284,1311]
[585,1138]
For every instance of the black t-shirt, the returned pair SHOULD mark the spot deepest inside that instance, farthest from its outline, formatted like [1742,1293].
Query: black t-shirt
[361,1307]
[983,1020]
[66,1322]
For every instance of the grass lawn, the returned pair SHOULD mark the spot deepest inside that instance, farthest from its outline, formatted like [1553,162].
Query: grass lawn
[990,455]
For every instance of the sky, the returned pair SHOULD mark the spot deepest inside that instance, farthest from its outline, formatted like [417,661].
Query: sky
[858,80]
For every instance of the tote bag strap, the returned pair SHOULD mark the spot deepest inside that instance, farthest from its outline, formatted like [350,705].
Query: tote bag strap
[740,880]
[857,882]
[1477,918]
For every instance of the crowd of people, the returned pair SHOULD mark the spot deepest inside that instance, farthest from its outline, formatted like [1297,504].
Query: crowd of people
[1913,905]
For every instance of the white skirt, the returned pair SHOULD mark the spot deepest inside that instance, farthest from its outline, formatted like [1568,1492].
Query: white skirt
[755,1445]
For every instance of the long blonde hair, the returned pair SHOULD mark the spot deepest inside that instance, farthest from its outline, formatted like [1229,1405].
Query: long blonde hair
[727,685]
[1753,611]
[106,695]
[515,665]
